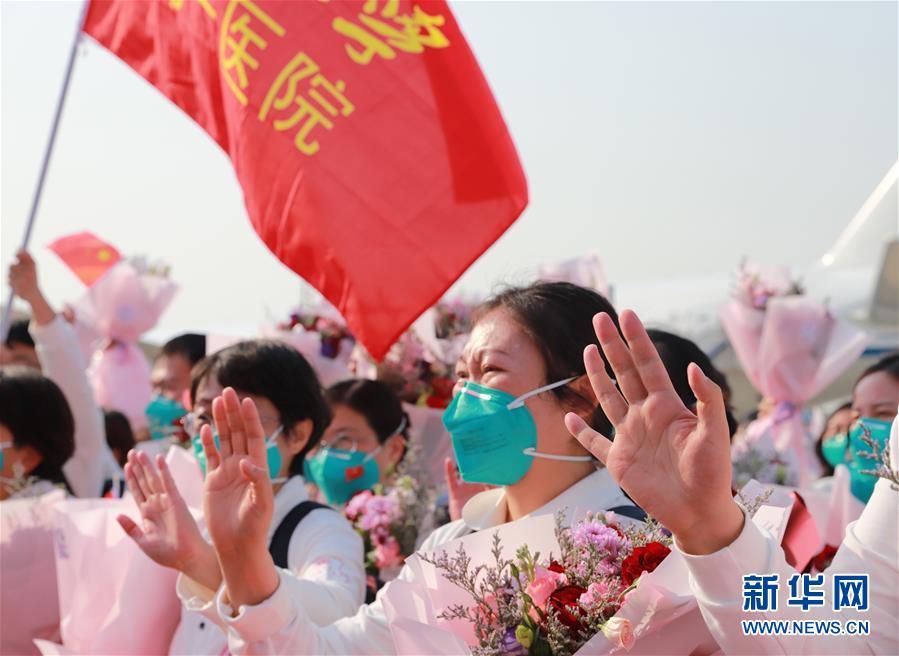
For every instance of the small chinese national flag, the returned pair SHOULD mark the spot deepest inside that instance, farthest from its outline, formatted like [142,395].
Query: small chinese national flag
[373,158]
[88,256]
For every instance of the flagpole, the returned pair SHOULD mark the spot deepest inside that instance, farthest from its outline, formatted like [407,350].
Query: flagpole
[48,151]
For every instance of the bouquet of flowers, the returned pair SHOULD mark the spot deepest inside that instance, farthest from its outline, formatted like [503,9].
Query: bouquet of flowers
[122,305]
[416,375]
[389,521]
[791,347]
[756,286]
[420,366]
[332,331]
[758,459]
[452,317]
[533,604]
[321,335]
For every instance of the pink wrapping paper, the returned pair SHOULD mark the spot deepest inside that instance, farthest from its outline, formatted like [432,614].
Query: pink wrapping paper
[790,352]
[28,572]
[661,609]
[188,477]
[121,306]
[844,508]
[112,598]
[120,376]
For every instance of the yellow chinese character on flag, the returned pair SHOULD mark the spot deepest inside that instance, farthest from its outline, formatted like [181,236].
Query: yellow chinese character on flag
[236,39]
[327,100]
[410,33]
[204,4]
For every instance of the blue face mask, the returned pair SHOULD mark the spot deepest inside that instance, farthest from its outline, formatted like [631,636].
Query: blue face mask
[162,413]
[494,435]
[3,447]
[339,473]
[862,485]
[273,454]
[835,449]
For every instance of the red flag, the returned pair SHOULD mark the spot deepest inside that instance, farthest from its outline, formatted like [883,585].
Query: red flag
[88,256]
[373,159]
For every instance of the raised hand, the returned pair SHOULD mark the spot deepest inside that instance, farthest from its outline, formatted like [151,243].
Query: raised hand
[238,499]
[24,283]
[458,491]
[673,463]
[168,533]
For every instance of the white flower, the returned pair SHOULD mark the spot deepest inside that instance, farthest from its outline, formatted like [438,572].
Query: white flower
[619,631]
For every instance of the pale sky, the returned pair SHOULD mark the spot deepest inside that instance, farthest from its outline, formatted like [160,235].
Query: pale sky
[672,138]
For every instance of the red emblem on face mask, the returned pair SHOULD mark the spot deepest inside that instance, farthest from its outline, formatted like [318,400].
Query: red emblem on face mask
[352,473]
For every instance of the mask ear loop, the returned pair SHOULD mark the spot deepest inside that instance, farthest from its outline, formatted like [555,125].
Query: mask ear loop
[270,440]
[519,402]
[270,443]
[531,451]
[372,454]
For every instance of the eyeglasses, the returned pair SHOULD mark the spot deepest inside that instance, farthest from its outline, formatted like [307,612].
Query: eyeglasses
[194,421]
[351,443]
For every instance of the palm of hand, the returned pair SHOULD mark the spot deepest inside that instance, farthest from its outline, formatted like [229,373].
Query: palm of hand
[668,468]
[168,529]
[672,462]
[231,505]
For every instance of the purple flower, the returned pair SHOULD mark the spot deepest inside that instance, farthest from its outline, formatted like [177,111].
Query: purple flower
[602,538]
[510,645]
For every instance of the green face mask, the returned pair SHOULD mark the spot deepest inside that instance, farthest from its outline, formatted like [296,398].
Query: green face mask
[339,473]
[862,485]
[162,414]
[272,453]
[494,435]
[834,449]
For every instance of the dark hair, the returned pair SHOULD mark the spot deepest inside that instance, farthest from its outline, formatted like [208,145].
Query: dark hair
[119,435]
[189,345]
[18,334]
[276,372]
[558,317]
[37,414]
[888,364]
[819,451]
[677,353]
[375,401]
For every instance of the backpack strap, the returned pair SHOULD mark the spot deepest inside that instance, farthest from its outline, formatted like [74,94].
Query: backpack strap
[281,538]
[634,512]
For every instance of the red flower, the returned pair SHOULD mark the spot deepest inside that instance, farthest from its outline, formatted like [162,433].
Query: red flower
[823,559]
[554,566]
[643,559]
[565,600]
[436,402]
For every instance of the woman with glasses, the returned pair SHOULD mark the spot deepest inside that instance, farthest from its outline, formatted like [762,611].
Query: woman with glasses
[307,541]
[364,442]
